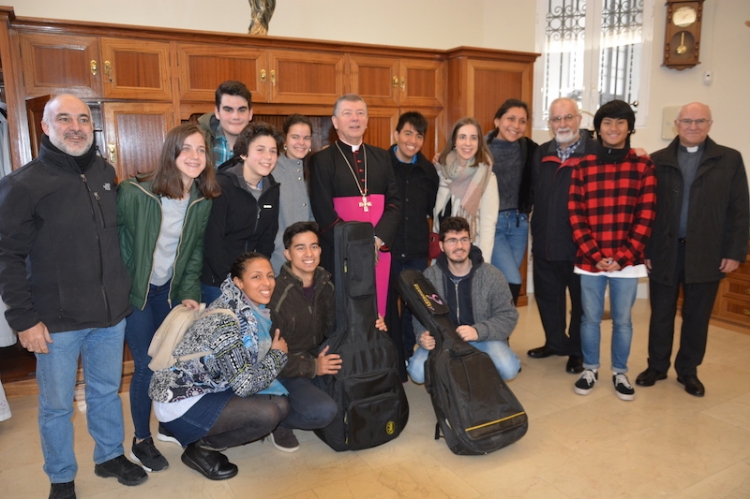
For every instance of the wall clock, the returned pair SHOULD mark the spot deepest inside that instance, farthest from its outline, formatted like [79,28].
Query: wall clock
[683,33]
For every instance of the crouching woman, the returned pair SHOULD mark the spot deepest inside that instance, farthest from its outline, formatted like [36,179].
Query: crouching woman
[229,396]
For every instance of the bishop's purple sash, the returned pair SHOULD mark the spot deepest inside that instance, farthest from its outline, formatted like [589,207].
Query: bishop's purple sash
[354,208]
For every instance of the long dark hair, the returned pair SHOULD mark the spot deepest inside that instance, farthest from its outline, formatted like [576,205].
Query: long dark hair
[504,108]
[167,179]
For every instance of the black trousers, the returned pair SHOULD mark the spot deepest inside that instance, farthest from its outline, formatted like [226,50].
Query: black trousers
[698,301]
[551,281]
[245,419]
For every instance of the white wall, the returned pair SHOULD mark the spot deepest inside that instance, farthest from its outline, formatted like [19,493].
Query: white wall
[442,24]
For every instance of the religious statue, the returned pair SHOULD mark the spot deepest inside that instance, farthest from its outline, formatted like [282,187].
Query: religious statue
[260,15]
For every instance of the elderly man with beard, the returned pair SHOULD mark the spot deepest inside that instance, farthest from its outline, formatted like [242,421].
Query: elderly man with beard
[552,236]
[66,288]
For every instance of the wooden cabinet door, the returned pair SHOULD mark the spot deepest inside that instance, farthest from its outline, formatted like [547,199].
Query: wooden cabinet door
[375,79]
[490,83]
[135,133]
[380,126]
[205,67]
[305,77]
[421,83]
[55,64]
[136,69]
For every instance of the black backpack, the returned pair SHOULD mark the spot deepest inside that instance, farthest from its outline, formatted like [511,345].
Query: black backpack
[476,411]
[372,405]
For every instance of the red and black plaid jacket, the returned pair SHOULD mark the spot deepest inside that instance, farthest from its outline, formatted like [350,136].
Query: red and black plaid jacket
[612,207]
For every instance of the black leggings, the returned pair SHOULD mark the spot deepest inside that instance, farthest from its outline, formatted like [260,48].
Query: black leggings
[245,419]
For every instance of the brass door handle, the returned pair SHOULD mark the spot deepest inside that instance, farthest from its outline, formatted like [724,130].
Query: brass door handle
[746,311]
[263,75]
[112,153]
[94,67]
[108,69]
[395,82]
[273,77]
[403,83]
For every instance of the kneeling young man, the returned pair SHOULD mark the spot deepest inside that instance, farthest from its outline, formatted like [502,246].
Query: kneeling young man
[479,299]
[303,308]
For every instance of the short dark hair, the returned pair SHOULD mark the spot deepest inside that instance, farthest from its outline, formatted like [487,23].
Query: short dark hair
[167,179]
[240,264]
[415,119]
[616,109]
[295,119]
[453,224]
[233,87]
[251,132]
[299,228]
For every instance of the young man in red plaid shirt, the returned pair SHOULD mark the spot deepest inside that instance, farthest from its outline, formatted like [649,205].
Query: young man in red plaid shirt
[612,206]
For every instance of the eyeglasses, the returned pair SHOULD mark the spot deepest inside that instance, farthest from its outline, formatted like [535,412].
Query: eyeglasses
[699,122]
[560,119]
[454,241]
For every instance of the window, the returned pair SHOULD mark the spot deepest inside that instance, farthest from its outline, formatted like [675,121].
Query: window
[593,52]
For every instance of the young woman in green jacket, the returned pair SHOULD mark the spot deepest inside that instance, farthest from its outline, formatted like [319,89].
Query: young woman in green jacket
[162,219]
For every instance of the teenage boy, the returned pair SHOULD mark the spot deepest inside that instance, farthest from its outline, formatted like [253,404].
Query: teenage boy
[612,206]
[233,111]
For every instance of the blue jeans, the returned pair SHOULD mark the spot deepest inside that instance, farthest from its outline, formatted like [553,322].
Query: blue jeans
[506,362]
[511,236]
[209,293]
[142,324]
[310,408]
[622,293]
[101,352]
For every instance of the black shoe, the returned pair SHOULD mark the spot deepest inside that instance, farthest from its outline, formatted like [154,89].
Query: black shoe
[146,453]
[66,490]
[574,365]
[127,473]
[692,385]
[284,439]
[210,463]
[649,377]
[541,352]
[165,435]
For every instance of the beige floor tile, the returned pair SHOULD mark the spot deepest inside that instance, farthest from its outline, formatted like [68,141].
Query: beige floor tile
[665,443]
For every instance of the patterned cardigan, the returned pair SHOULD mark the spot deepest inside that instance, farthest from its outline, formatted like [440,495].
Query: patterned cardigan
[236,362]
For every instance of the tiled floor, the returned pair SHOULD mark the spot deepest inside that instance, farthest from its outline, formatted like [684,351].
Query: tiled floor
[666,443]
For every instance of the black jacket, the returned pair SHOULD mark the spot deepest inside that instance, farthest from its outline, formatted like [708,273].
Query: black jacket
[417,188]
[552,235]
[303,324]
[238,223]
[59,249]
[718,215]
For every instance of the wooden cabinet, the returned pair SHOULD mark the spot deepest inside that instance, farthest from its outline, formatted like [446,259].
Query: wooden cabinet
[136,69]
[88,67]
[305,77]
[54,64]
[480,81]
[387,81]
[134,135]
[204,67]
[733,298]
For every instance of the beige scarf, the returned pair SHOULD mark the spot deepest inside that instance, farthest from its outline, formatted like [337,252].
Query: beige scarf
[466,185]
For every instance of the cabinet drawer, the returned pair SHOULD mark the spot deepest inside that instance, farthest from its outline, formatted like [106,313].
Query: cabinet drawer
[737,311]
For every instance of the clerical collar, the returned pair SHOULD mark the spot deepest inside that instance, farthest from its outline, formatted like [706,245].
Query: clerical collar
[693,149]
[354,148]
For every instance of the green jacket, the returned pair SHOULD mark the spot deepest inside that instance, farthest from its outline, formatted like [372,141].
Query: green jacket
[139,221]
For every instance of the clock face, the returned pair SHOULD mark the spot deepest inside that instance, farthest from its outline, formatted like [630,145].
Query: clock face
[684,16]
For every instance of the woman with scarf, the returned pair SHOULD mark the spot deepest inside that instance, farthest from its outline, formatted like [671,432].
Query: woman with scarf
[229,396]
[465,171]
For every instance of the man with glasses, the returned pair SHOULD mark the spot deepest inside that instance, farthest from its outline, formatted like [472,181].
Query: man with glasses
[552,238]
[700,234]
[480,302]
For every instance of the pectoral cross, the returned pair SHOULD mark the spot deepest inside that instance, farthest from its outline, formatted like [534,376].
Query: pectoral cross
[365,203]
